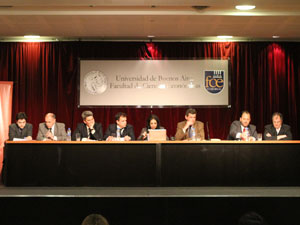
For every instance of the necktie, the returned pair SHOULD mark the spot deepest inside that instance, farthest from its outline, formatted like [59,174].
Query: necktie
[50,130]
[90,133]
[192,132]
[244,131]
[91,136]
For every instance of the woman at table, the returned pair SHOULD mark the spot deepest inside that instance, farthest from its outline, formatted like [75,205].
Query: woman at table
[152,123]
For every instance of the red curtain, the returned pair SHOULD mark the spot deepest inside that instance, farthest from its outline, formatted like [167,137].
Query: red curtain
[264,79]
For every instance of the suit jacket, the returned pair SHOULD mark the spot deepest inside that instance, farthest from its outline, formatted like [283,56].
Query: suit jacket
[127,131]
[180,135]
[82,130]
[285,129]
[236,128]
[14,131]
[144,130]
[59,132]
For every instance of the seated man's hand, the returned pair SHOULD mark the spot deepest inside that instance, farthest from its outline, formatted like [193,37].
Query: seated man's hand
[49,135]
[279,137]
[188,124]
[29,138]
[109,138]
[244,136]
[127,138]
[252,138]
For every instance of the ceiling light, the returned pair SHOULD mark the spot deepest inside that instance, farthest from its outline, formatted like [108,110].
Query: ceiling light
[151,36]
[275,36]
[245,7]
[32,36]
[224,36]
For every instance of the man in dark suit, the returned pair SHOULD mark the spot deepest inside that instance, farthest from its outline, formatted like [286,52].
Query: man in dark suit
[120,129]
[277,130]
[51,130]
[21,129]
[185,128]
[242,129]
[88,130]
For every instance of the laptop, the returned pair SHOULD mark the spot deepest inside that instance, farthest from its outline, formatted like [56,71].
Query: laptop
[157,135]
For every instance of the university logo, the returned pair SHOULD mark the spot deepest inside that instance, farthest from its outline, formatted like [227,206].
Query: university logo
[95,82]
[214,81]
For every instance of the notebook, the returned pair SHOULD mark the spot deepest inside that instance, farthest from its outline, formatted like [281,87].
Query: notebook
[157,135]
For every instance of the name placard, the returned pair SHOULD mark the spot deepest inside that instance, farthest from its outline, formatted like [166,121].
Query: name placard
[154,83]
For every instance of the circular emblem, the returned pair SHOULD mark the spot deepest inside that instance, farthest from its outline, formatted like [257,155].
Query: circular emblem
[95,82]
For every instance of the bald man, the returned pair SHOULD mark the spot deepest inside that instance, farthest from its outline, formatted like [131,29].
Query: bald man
[51,130]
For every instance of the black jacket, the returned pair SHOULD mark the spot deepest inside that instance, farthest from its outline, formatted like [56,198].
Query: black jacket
[285,129]
[127,131]
[81,128]
[16,132]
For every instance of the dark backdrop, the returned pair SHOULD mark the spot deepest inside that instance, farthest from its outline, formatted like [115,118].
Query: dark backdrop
[264,79]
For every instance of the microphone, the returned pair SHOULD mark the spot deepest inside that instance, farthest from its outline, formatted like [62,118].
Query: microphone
[208,137]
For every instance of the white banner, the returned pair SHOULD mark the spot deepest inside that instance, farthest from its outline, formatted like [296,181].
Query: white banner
[154,83]
[6,92]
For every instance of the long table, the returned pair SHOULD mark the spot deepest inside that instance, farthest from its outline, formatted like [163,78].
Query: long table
[149,164]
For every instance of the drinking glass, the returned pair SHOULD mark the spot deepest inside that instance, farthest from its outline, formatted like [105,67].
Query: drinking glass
[259,136]
[78,137]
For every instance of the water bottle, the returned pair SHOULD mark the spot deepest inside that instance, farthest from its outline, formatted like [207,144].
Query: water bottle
[118,134]
[69,134]
[193,132]
[247,134]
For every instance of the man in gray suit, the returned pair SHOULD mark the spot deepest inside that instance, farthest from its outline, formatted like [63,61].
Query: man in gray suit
[50,130]
[238,129]
[21,129]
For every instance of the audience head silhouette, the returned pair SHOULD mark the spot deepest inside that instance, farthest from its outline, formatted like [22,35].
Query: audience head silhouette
[94,219]
[252,218]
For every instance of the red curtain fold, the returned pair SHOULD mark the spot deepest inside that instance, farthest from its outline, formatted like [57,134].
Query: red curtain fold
[264,79]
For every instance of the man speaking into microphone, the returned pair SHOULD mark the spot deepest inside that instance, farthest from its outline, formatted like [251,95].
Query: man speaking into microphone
[190,129]
[242,129]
